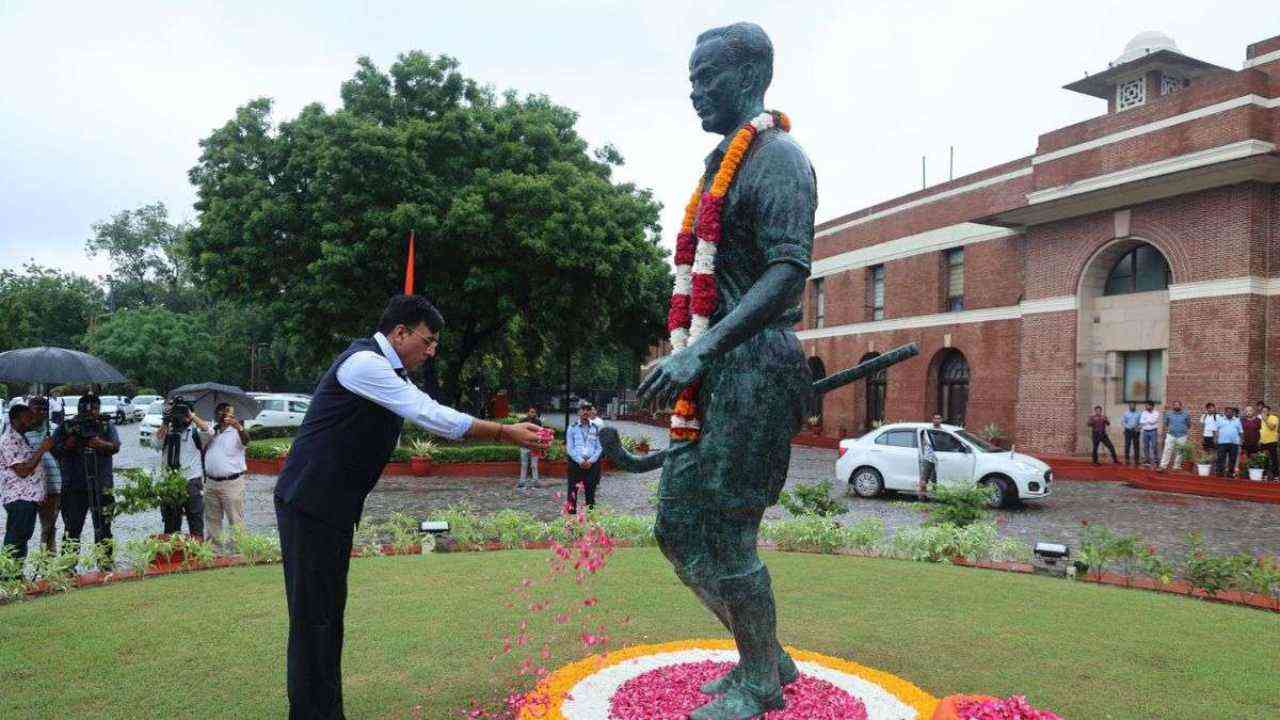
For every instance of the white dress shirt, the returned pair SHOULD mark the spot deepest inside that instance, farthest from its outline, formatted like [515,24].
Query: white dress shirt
[225,455]
[373,377]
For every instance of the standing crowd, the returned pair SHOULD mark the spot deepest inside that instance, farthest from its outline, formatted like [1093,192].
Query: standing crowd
[53,467]
[1157,439]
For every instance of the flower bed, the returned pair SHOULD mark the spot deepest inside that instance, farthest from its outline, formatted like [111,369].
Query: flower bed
[631,682]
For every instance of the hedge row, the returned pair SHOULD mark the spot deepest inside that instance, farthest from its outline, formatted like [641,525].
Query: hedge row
[279,447]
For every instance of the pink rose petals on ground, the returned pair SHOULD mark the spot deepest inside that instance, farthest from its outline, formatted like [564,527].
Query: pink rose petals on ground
[671,693]
[1014,708]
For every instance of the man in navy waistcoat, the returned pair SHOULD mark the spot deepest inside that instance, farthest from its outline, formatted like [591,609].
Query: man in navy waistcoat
[346,439]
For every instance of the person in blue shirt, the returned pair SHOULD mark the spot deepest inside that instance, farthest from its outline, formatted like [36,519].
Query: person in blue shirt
[1132,423]
[582,445]
[1230,431]
[1177,423]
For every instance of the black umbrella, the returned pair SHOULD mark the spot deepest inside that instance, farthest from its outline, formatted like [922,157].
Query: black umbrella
[204,397]
[54,366]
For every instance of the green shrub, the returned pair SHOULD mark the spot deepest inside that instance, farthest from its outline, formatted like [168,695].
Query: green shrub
[1258,461]
[476,453]
[812,500]
[959,505]
[268,449]
[268,433]
[144,490]
[12,583]
[1208,571]
[634,529]
[936,543]
[865,535]
[812,533]
[256,547]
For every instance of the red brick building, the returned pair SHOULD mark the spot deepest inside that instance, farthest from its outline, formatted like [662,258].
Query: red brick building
[1133,256]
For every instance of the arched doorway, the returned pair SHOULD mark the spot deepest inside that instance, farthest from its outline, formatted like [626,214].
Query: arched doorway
[877,390]
[818,370]
[952,397]
[1122,330]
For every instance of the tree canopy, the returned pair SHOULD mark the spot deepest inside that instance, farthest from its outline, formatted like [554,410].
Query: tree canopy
[44,306]
[148,257]
[161,348]
[524,240]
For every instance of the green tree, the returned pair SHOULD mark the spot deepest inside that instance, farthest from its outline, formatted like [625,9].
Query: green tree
[148,255]
[524,240]
[160,348]
[44,306]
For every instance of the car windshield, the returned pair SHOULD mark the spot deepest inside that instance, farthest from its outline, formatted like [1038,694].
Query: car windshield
[979,443]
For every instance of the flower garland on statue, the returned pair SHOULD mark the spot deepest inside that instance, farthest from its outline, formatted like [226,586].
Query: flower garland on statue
[694,298]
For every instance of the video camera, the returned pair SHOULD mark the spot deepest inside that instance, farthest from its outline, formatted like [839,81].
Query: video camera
[83,429]
[178,415]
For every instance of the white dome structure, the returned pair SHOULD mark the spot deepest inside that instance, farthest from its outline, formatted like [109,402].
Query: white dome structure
[1145,43]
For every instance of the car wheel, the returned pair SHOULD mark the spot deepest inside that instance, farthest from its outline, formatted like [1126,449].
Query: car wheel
[1004,493]
[867,482]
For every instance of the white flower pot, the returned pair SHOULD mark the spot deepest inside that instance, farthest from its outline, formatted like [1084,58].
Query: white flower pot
[1203,470]
[1255,474]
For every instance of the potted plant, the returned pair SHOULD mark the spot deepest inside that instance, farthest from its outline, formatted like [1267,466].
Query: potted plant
[992,434]
[1257,466]
[1198,456]
[420,456]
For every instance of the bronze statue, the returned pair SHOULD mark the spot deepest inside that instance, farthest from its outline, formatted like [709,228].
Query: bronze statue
[751,386]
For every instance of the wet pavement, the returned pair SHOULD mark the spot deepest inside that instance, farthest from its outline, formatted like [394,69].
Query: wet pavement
[1160,519]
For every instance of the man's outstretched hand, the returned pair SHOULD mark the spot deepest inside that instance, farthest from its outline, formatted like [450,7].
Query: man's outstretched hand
[672,375]
[526,435]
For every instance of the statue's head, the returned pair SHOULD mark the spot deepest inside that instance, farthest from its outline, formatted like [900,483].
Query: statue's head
[730,69]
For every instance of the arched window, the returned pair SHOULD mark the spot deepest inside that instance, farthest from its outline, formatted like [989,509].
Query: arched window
[953,387]
[818,370]
[1142,269]
[877,388]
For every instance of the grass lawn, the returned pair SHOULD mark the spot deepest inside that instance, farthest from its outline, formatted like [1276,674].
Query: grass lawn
[423,630]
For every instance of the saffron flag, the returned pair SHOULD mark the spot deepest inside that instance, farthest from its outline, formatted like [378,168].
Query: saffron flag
[408,268]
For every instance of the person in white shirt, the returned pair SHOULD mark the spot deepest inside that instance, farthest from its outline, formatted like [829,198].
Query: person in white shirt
[224,470]
[181,448]
[1149,422]
[1209,422]
[595,418]
[352,425]
[57,410]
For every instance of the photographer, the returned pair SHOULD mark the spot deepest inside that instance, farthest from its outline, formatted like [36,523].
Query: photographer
[184,435]
[84,446]
[21,479]
[224,467]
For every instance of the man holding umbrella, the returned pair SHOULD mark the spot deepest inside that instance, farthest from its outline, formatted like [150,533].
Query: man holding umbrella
[352,426]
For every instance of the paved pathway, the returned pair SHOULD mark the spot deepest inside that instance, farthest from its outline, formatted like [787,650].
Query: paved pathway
[1160,519]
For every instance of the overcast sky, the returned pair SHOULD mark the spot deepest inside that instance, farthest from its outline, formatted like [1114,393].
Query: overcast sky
[102,104]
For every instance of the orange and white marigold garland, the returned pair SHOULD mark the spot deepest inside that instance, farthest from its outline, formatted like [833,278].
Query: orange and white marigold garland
[695,296]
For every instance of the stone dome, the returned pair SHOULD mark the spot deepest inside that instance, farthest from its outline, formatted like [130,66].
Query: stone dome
[1144,43]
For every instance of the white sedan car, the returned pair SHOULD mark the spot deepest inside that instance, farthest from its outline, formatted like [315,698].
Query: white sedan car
[141,403]
[116,409]
[888,458]
[151,422]
[279,410]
